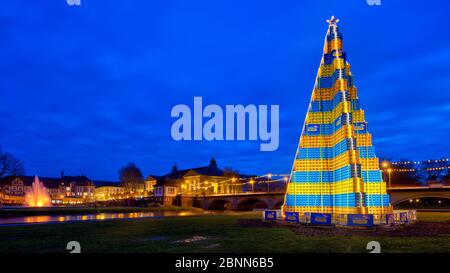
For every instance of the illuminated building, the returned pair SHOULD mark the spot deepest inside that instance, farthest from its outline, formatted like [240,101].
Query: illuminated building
[184,187]
[63,190]
[149,184]
[335,170]
[109,191]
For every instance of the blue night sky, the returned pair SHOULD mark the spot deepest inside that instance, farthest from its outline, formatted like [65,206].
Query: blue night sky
[88,89]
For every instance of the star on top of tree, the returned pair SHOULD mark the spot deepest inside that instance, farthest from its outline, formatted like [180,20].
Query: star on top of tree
[333,21]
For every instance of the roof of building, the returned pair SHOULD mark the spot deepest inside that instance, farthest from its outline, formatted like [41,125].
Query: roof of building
[80,180]
[152,177]
[102,183]
[211,170]
[49,182]
[28,180]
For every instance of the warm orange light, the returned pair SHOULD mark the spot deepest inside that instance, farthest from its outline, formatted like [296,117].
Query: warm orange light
[38,195]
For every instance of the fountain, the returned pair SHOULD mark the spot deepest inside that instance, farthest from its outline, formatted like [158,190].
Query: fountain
[38,195]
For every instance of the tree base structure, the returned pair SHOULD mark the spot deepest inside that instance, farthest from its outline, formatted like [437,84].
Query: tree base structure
[349,220]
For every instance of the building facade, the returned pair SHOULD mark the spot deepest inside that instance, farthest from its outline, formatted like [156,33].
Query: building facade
[165,194]
[109,192]
[63,190]
[183,187]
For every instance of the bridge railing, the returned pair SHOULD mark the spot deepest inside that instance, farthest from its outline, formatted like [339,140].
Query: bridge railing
[245,193]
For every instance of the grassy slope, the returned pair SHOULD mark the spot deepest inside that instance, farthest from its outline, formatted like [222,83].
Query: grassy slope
[222,232]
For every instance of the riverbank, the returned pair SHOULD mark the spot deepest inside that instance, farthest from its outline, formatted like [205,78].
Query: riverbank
[19,212]
[214,233]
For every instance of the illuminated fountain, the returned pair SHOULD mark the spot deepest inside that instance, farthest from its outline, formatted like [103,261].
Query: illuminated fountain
[38,195]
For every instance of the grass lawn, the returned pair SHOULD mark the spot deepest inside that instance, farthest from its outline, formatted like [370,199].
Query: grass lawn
[433,216]
[213,233]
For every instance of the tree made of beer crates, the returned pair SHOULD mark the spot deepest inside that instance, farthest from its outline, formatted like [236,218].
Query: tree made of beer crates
[335,168]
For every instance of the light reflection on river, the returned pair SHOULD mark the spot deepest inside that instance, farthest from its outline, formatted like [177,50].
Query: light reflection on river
[92,217]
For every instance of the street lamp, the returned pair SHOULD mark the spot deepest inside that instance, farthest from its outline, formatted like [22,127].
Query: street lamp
[233,187]
[384,165]
[252,182]
[269,176]
[389,172]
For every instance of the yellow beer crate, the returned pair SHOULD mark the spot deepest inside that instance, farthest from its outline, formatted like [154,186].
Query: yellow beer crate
[363,140]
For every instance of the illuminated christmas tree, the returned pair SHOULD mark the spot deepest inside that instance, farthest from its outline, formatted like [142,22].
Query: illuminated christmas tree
[336,170]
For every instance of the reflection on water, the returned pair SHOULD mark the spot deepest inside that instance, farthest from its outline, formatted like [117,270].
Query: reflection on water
[90,217]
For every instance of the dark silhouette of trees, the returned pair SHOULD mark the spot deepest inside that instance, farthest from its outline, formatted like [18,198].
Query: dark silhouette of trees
[9,165]
[131,177]
[447,175]
[229,172]
[408,172]
[434,169]
[405,173]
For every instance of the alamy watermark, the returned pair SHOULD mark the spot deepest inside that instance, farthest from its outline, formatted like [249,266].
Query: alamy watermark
[74,247]
[374,247]
[73,2]
[189,124]
[374,2]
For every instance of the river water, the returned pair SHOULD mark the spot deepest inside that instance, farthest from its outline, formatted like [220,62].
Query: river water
[24,220]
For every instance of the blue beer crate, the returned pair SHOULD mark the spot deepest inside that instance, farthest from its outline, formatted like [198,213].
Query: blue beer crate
[389,219]
[403,218]
[291,217]
[270,215]
[320,219]
[360,220]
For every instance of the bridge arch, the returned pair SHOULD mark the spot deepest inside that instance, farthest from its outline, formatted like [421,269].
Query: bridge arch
[220,204]
[396,200]
[251,203]
[279,204]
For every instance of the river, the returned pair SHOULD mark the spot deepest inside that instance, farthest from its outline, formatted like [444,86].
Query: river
[24,220]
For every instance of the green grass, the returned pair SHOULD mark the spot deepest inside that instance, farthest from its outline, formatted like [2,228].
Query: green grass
[17,212]
[432,216]
[222,233]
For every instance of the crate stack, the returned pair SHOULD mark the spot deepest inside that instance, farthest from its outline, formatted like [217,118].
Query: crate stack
[336,170]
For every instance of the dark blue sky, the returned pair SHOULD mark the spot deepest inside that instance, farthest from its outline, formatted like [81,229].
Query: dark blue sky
[88,89]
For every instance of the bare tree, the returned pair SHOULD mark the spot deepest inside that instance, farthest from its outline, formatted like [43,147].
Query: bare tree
[406,172]
[447,174]
[229,172]
[434,169]
[9,165]
[131,176]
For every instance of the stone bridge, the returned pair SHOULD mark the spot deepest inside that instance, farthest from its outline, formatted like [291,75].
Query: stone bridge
[242,201]
[274,200]
[402,194]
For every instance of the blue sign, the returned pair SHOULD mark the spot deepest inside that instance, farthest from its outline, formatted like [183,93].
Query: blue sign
[320,219]
[312,128]
[360,220]
[291,217]
[270,215]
